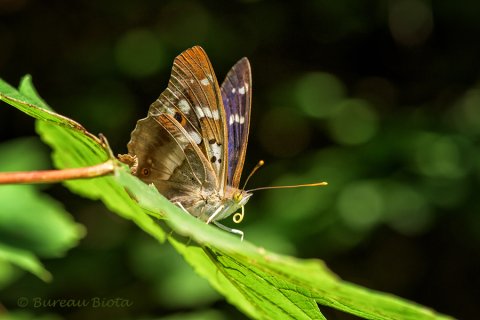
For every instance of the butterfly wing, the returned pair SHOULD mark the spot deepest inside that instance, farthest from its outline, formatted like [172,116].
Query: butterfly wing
[237,97]
[193,98]
[169,158]
[180,145]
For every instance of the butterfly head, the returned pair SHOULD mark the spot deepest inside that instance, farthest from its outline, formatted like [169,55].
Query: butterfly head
[240,197]
[233,200]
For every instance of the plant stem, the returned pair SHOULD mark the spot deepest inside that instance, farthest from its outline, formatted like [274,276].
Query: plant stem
[49,176]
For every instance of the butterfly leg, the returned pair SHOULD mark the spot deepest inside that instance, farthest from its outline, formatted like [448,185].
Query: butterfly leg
[235,231]
[181,207]
[215,214]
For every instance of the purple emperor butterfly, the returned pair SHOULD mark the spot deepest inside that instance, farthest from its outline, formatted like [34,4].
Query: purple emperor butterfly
[192,144]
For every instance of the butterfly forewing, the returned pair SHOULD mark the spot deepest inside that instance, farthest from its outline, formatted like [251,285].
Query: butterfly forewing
[193,99]
[236,95]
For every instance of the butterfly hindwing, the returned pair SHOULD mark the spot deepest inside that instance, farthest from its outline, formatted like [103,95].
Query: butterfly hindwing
[237,96]
[170,159]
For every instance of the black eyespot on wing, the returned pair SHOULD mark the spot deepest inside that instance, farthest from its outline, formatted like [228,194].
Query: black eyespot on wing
[177,116]
[213,159]
[145,172]
[180,118]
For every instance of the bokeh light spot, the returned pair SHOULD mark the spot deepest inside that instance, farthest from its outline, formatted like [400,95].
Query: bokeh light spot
[406,210]
[182,24]
[467,113]
[360,205]
[439,156]
[354,122]
[139,53]
[318,93]
[411,21]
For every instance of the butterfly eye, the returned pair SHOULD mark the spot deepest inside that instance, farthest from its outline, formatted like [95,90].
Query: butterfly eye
[237,197]
[145,172]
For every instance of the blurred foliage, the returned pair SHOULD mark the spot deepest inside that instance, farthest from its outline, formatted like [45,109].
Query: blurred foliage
[31,224]
[381,99]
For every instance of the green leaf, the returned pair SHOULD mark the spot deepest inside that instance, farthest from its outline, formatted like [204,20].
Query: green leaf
[37,223]
[26,315]
[262,284]
[25,260]
[228,264]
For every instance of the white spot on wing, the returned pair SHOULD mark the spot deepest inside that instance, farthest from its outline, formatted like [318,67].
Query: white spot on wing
[234,90]
[207,112]
[241,90]
[215,115]
[199,112]
[196,137]
[216,151]
[184,106]
[236,118]
[205,82]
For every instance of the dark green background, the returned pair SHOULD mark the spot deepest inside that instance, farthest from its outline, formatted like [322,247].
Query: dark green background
[379,98]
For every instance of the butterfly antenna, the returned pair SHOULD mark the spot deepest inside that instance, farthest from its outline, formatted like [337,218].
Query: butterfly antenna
[316,184]
[258,166]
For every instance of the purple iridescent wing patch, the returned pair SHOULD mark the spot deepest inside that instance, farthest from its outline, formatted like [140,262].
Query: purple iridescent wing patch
[236,95]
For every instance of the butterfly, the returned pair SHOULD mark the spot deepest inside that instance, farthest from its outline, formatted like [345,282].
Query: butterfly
[193,142]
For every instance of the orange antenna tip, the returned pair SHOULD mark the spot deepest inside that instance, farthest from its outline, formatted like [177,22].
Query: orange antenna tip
[259,164]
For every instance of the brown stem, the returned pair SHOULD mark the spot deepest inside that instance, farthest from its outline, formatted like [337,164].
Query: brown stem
[48,176]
